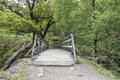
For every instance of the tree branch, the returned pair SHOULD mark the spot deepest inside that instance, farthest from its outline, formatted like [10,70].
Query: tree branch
[28,2]
[33,4]
[10,8]
[50,22]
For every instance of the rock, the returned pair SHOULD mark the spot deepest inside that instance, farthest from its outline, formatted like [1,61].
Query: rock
[40,74]
[80,75]
[41,70]
[71,68]
[71,77]
[5,77]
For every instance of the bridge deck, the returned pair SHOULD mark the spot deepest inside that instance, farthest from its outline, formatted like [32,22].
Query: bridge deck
[54,57]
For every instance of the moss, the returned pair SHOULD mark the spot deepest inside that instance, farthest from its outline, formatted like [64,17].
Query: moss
[78,60]
[1,71]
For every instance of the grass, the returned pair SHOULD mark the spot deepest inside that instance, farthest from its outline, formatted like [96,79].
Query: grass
[0,71]
[78,60]
[98,68]
[20,75]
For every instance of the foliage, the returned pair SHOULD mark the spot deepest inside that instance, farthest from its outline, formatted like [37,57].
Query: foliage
[26,16]
[78,60]
[63,14]
[13,23]
[95,25]
[9,43]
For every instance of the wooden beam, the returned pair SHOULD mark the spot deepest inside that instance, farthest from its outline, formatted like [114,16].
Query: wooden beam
[73,47]
[67,41]
[34,45]
[77,50]
[15,54]
[67,46]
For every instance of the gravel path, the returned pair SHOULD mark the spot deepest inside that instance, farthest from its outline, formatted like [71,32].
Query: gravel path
[76,72]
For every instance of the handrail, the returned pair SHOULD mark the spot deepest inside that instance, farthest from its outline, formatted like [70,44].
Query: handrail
[70,39]
[37,45]
[67,40]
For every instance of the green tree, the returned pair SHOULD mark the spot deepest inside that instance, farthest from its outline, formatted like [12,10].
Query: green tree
[95,25]
[37,13]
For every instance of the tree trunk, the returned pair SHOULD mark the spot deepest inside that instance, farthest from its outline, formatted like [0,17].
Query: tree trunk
[93,4]
[33,37]
[95,45]
[95,38]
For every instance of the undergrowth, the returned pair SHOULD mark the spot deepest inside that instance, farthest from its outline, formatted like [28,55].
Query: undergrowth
[10,44]
[20,75]
[98,68]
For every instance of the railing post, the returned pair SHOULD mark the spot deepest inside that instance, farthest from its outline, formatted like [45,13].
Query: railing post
[70,38]
[40,45]
[73,47]
[34,45]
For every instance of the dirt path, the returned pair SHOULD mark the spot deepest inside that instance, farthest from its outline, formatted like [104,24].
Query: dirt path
[76,72]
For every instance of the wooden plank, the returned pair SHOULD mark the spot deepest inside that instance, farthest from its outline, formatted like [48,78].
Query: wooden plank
[67,46]
[68,36]
[93,59]
[54,57]
[77,50]
[28,53]
[67,41]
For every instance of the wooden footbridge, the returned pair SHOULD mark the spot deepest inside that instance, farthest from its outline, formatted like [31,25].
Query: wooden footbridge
[64,56]
[54,57]
[42,54]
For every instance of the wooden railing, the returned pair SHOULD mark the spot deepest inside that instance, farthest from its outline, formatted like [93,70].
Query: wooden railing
[39,45]
[68,43]
[34,45]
